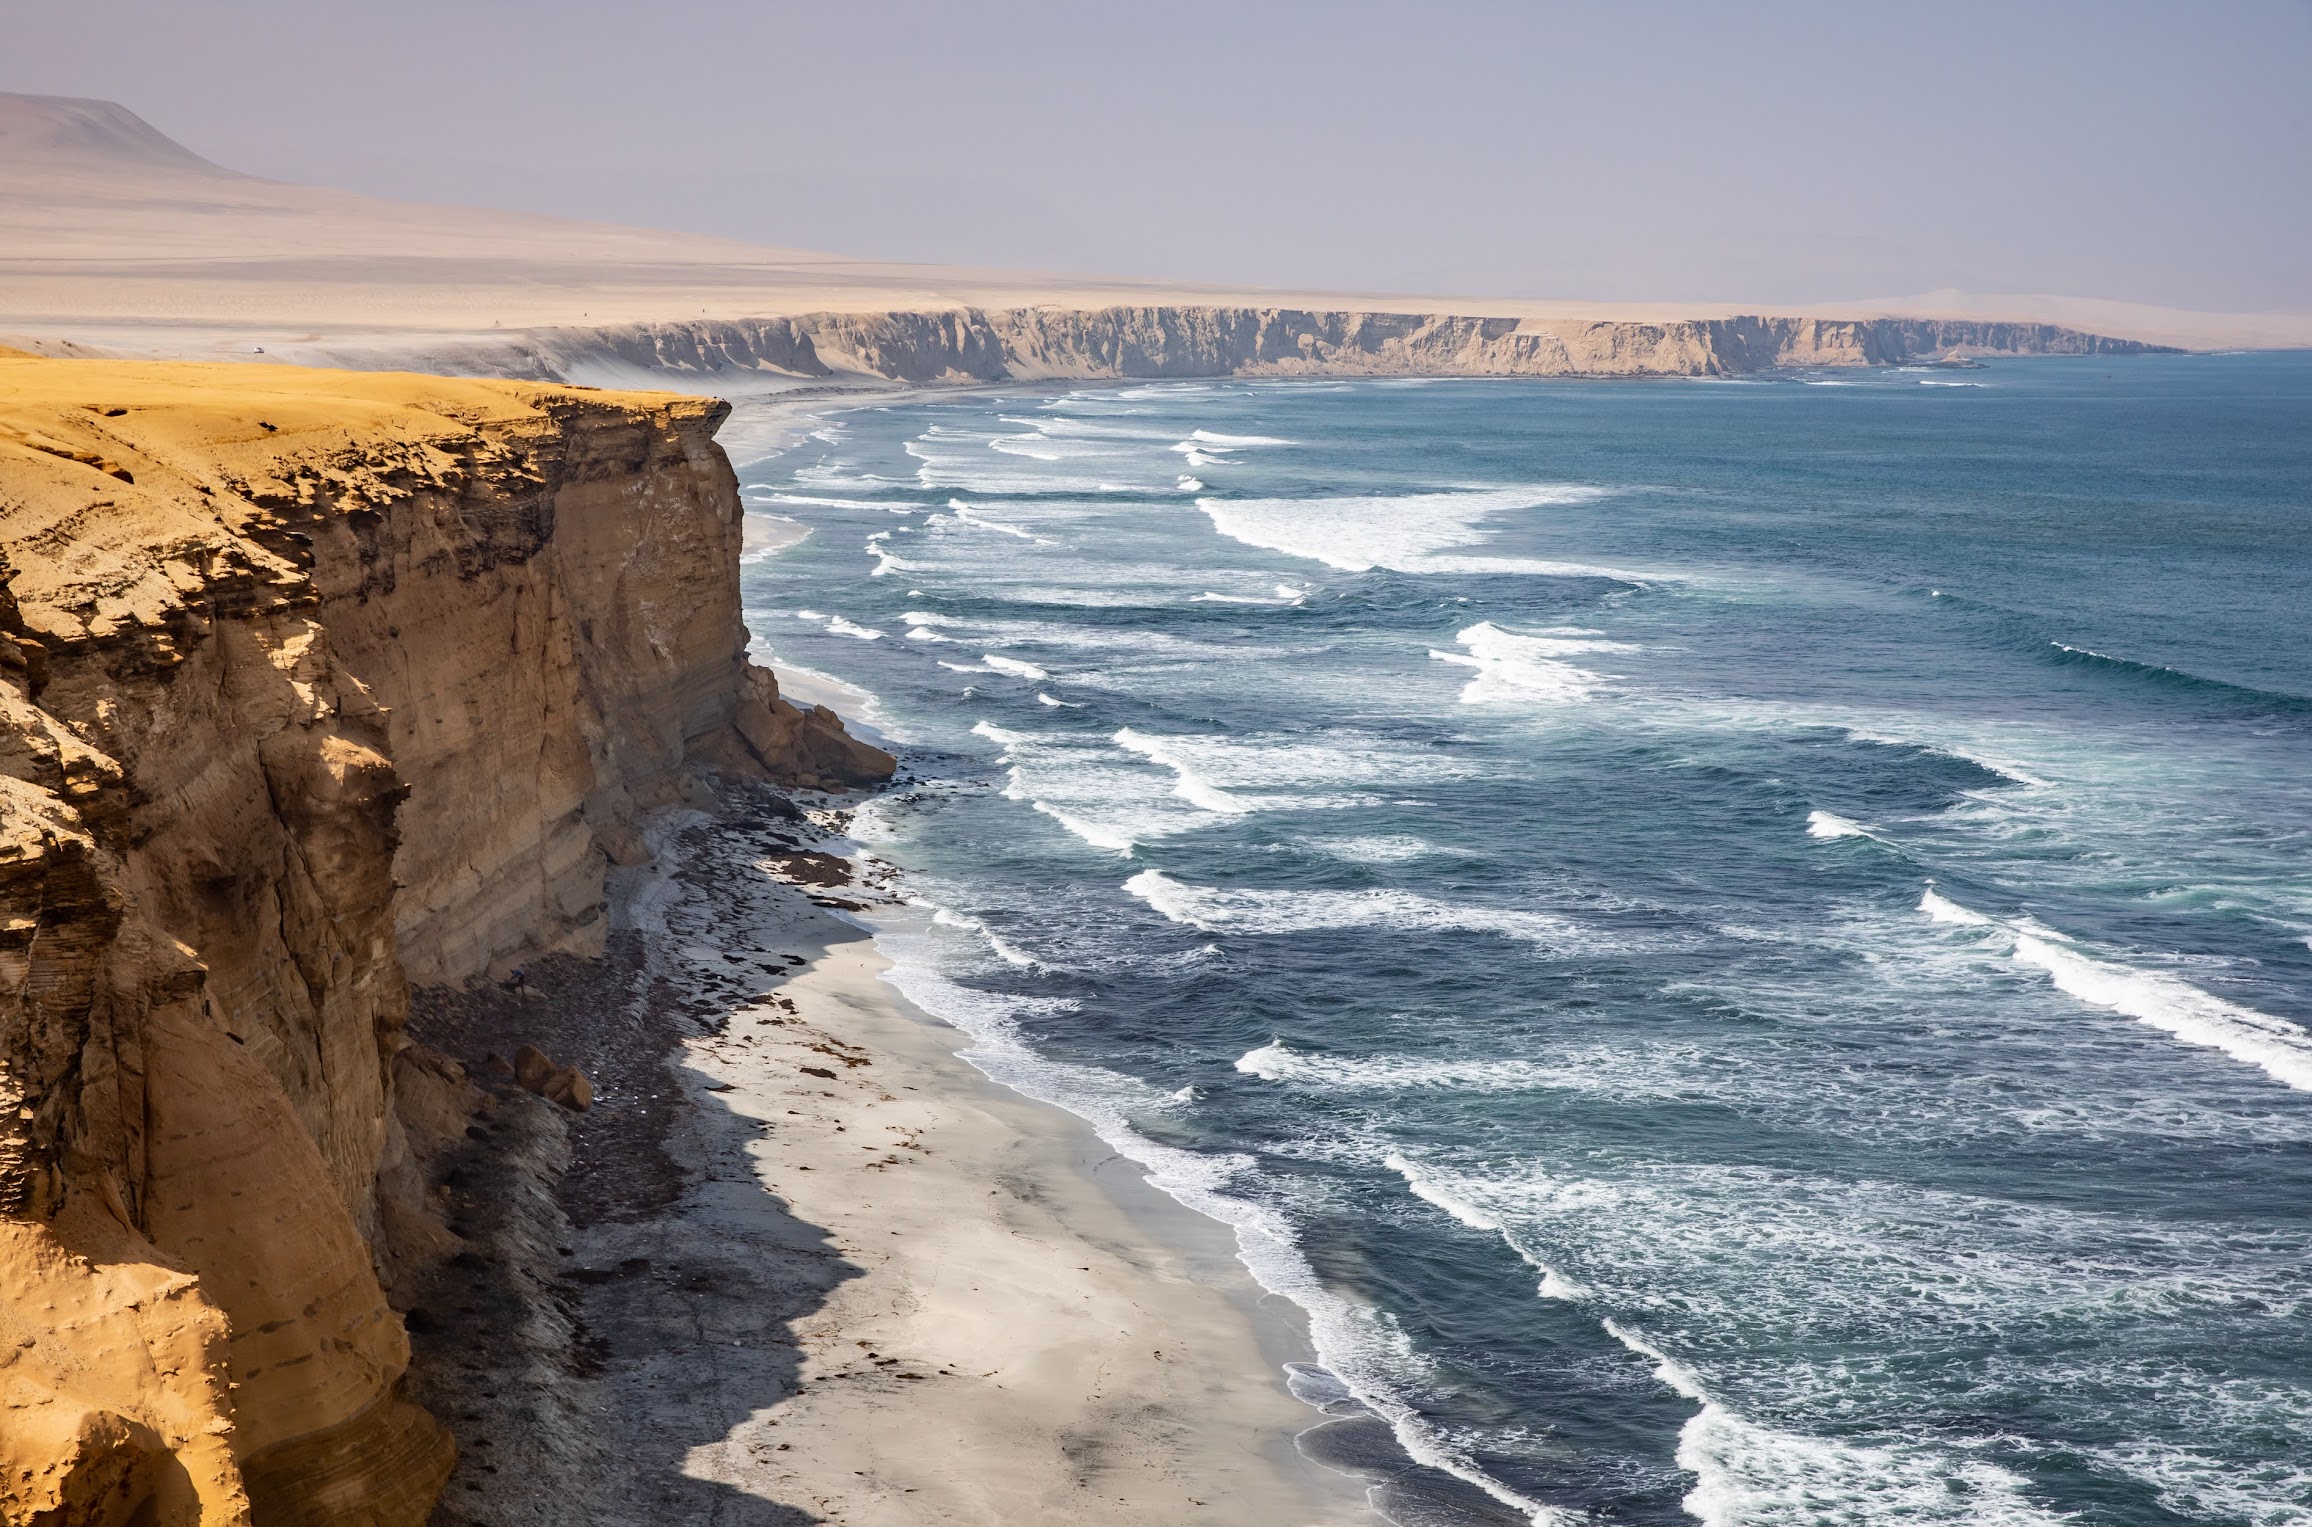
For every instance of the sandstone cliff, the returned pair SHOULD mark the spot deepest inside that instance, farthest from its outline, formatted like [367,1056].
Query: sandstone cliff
[962,345]
[311,685]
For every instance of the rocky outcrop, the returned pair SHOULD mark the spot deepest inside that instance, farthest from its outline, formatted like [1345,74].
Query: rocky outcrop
[1044,343]
[806,748]
[311,685]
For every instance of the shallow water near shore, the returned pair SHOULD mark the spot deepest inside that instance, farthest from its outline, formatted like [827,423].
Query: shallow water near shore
[1743,949]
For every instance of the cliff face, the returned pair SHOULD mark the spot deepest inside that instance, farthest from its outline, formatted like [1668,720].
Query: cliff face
[311,684]
[1028,344]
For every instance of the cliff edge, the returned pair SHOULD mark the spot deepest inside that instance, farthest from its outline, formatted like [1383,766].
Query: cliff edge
[964,346]
[312,685]
[1046,343]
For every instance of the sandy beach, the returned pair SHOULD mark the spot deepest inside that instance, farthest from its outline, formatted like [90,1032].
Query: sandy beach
[822,1269]
[1361,804]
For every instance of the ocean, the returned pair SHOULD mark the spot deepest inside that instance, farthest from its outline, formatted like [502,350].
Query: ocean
[1743,949]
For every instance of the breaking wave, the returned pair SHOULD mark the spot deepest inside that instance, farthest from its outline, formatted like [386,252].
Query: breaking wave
[2281,1049]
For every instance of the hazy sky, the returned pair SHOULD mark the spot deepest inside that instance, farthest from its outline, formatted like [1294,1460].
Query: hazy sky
[1760,152]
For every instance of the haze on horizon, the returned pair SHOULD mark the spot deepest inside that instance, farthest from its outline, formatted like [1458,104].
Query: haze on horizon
[1778,153]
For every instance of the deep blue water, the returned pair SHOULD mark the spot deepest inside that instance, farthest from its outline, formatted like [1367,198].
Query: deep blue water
[1741,947]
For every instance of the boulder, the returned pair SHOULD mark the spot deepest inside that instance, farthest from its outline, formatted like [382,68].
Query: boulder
[535,1071]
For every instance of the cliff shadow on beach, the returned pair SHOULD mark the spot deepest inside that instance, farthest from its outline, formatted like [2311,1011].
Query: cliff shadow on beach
[630,1291]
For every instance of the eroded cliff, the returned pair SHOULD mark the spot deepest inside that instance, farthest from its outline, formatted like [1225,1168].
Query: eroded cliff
[961,345]
[312,684]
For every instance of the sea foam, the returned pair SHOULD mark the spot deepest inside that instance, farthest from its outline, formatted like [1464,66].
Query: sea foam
[1748,1475]
[1265,911]
[1190,786]
[1016,667]
[966,514]
[1532,669]
[1366,1353]
[2162,1001]
[1829,824]
[1408,533]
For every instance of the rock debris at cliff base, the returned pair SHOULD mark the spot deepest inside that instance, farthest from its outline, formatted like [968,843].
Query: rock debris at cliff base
[856,1281]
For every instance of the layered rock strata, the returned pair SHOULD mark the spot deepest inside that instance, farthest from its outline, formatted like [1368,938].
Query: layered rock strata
[312,684]
[962,345]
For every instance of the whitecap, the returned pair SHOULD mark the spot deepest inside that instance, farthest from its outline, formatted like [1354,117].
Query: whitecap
[1089,787]
[811,501]
[1013,666]
[2203,1487]
[1190,786]
[1298,762]
[960,461]
[1944,910]
[1409,532]
[1003,950]
[1513,668]
[1746,1473]
[1034,447]
[1376,850]
[1259,911]
[1274,1062]
[838,474]
[842,627]
[2281,1049]
[1430,1193]
[1147,393]
[970,516]
[1113,839]
[1233,442]
[1427,1187]
[1062,426]
[2005,768]
[1829,824]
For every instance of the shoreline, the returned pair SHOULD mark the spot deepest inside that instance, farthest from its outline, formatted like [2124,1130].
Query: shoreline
[1394,1476]
[843,1275]
[1140,1378]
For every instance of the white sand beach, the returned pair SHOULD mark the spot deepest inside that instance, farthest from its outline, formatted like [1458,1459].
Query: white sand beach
[877,1287]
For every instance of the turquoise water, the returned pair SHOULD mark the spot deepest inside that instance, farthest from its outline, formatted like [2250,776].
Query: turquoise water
[1741,948]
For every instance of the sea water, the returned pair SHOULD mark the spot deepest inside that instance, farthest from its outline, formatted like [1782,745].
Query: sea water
[1741,948]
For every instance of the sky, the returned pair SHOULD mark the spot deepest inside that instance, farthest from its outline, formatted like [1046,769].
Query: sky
[1754,152]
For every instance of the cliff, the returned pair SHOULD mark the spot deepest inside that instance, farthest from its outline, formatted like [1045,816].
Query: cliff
[962,345]
[312,685]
